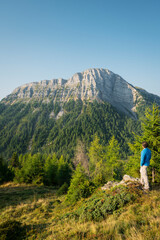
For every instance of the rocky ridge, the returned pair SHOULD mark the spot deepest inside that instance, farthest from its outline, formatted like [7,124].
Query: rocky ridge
[92,84]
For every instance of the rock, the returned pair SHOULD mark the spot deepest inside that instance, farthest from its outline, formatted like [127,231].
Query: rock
[92,84]
[127,180]
[109,185]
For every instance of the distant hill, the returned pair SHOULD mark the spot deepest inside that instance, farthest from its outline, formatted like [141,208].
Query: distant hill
[50,115]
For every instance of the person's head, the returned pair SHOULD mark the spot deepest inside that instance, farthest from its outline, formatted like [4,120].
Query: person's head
[144,144]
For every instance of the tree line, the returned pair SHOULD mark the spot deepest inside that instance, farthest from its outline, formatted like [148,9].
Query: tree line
[91,166]
[34,127]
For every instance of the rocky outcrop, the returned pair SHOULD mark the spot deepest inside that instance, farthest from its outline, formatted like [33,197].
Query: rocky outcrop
[127,180]
[99,84]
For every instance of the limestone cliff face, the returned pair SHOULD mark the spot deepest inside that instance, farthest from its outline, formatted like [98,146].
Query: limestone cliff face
[104,85]
[92,84]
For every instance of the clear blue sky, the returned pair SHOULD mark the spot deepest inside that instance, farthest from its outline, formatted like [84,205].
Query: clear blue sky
[45,39]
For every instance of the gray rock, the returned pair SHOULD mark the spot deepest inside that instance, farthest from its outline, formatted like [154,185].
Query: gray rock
[127,180]
[99,84]
[109,185]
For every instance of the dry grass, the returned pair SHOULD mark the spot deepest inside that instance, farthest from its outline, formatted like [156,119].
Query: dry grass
[38,208]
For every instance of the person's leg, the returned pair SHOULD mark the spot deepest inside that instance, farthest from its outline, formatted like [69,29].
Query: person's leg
[142,179]
[145,177]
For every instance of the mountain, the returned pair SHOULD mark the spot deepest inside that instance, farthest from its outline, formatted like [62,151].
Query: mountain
[92,84]
[50,115]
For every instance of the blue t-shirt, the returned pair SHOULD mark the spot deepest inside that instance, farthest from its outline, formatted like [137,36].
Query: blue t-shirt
[145,157]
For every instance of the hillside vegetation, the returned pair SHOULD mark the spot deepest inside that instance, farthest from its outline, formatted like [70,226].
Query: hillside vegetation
[36,127]
[59,197]
[36,212]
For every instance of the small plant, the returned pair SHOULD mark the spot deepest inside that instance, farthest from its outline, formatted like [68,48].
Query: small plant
[99,206]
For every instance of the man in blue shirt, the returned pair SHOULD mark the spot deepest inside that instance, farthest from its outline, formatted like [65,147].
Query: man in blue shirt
[145,161]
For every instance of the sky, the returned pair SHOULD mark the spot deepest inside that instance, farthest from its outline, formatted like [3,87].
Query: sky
[46,39]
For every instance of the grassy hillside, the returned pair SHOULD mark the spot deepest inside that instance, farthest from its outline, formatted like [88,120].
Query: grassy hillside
[36,212]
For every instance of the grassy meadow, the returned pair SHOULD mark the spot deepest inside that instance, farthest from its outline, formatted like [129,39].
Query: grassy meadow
[36,212]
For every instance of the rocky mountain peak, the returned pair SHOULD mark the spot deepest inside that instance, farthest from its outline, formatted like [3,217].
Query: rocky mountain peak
[93,84]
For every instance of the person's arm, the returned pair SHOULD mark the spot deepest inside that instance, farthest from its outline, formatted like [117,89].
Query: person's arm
[142,158]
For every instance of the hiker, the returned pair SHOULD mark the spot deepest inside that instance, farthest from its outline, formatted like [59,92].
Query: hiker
[145,161]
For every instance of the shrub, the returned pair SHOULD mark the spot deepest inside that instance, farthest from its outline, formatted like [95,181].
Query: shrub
[80,186]
[102,204]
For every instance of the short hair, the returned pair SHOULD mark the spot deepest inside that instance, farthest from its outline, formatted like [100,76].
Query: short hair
[145,144]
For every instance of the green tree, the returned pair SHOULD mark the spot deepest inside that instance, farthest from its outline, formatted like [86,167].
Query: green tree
[96,161]
[5,173]
[80,186]
[14,161]
[63,172]
[132,166]
[32,170]
[151,134]
[50,170]
[113,162]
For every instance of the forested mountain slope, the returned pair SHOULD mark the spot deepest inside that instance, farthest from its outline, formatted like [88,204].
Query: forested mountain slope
[50,116]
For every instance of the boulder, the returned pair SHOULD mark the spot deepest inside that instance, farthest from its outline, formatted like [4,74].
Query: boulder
[109,185]
[127,180]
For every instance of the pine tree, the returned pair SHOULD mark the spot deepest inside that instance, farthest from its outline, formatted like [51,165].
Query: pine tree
[151,134]
[80,186]
[96,161]
[50,170]
[63,172]
[14,162]
[112,156]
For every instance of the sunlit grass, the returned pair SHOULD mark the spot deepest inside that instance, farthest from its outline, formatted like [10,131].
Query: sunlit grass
[39,210]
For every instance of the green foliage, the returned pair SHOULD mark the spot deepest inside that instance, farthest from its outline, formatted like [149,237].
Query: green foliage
[80,186]
[50,170]
[32,128]
[101,204]
[63,172]
[63,189]
[45,216]
[57,108]
[96,161]
[113,163]
[132,166]
[38,169]
[14,162]
[5,172]
[151,134]
[31,170]
[104,161]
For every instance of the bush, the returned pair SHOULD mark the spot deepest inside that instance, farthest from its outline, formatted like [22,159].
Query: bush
[32,169]
[80,186]
[102,204]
